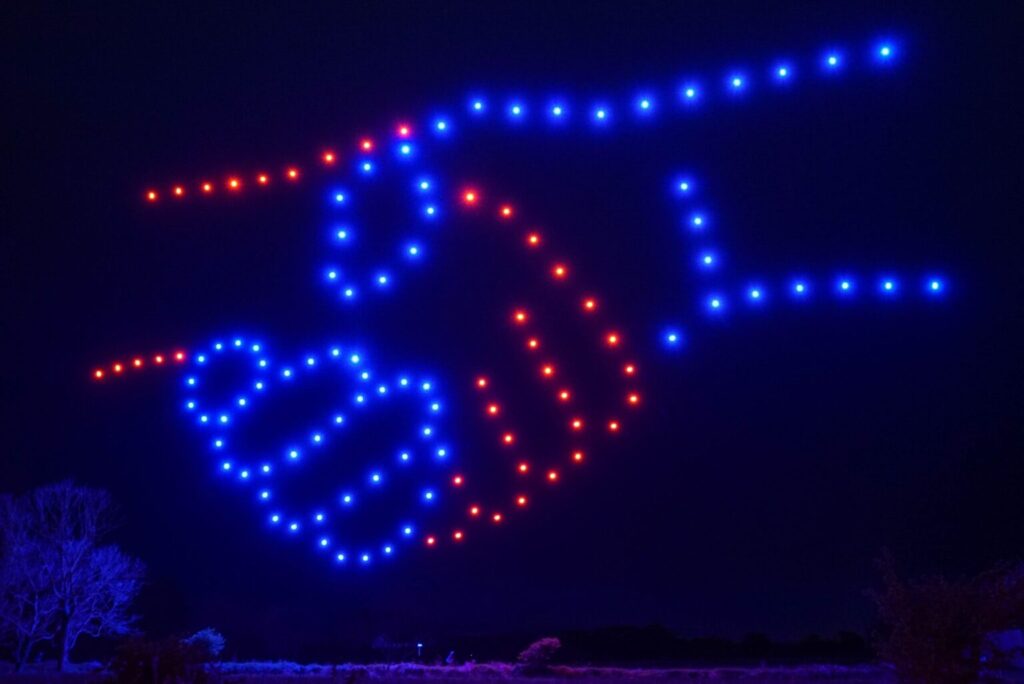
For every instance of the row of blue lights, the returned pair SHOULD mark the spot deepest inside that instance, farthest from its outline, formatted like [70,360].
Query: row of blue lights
[353,362]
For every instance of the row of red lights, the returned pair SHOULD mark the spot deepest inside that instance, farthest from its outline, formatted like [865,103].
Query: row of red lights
[138,363]
[326,160]
[492,407]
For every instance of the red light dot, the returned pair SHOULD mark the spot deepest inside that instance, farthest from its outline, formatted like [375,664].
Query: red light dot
[564,395]
[612,339]
[629,369]
[533,343]
[559,271]
[151,196]
[457,535]
[533,240]
[508,438]
[158,359]
[577,456]
[366,145]
[576,424]
[633,399]
[262,179]
[234,184]
[207,188]
[179,191]
[590,304]
[137,362]
[328,157]
[519,316]
[496,517]
[521,501]
[547,371]
[431,541]
[613,426]
[474,510]
[179,356]
[470,197]
[481,382]
[552,476]
[506,211]
[292,173]
[403,131]
[118,368]
[457,480]
[493,409]
[524,467]
[98,374]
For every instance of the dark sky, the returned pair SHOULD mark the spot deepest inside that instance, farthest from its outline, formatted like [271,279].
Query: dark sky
[776,454]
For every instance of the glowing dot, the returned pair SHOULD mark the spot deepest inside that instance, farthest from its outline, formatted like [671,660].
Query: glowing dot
[630,369]
[935,285]
[474,510]
[613,426]
[275,518]
[697,220]
[533,240]
[508,438]
[431,541]
[367,167]
[547,370]
[557,110]
[800,287]
[98,374]
[552,476]
[612,339]
[405,149]
[532,343]
[520,317]
[576,424]
[516,110]
[179,191]
[600,114]
[672,337]
[754,294]
[294,527]
[708,259]
[403,131]
[832,61]
[152,196]
[234,183]
[424,185]
[493,409]
[339,197]
[365,558]
[644,104]
[346,499]
[470,197]
[293,174]
[328,157]
[375,478]
[388,550]
[264,494]
[577,456]
[340,557]
[441,125]
[404,456]
[293,454]
[564,395]
[457,480]
[496,517]
[457,535]
[179,356]
[736,82]
[226,465]
[207,187]
[559,271]
[218,443]
[477,105]
[137,363]
[506,211]
[589,304]
[520,501]
[366,145]
[524,467]
[481,382]
[262,179]
[782,72]
[690,92]
[428,495]
[633,399]
[407,531]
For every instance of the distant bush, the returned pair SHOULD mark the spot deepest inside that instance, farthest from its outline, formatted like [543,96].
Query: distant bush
[207,643]
[937,631]
[143,661]
[536,657]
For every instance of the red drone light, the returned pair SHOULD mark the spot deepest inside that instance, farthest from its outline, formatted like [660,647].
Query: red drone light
[524,467]
[262,179]
[612,339]
[493,409]
[328,157]
[564,395]
[590,304]
[234,184]
[547,370]
[98,374]
[179,356]
[474,511]
[629,369]
[613,426]
[576,424]
[158,359]
[506,211]
[496,517]
[470,197]
[457,480]
[431,540]
[403,131]
[520,501]
[481,382]
[533,240]
[366,145]
[207,188]
[151,196]
[532,343]
[179,191]
[508,438]
[552,476]
[559,271]
[577,456]
[519,316]
[137,362]
[457,535]
[118,368]
[292,173]
[633,399]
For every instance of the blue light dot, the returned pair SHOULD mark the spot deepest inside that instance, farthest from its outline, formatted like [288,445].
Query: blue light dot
[600,114]
[367,167]
[365,558]
[442,453]
[888,286]
[360,398]
[707,260]
[242,401]
[382,279]
[782,72]
[800,287]
[317,438]
[645,104]
[405,149]
[201,358]
[310,361]
[557,110]
[332,275]
[407,531]
[218,346]
[339,197]
[226,465]
[190,405]
[341,235]
[715,302]
[259,385]
[424,185]
[335,352]
[754,294]
[347,499]
[319,517]
[697,220]
[204,418]
[218,443]
[223,419]
[354,359]
[324,542]
[287,373]
[672,338]
[265,495]
[477,106]
[413,250]
[885,51]
[349,292]
[365,375]
[339,419]
[426,386]
[428,495]
[516,110]
[382,389]
[387,550]
[736,82]
[265,468]
[441,125]
[430,210]
[294,527]
[255,348]
[191,382]
[690,93]
[935,286]
[262,363]
[427,431]
[275,518]
[375,478]
[293,454]
[244,474]
[833,61]
[404,382]
[435,407]
[404,456]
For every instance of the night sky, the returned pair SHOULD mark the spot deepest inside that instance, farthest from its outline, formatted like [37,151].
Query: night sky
[776,454]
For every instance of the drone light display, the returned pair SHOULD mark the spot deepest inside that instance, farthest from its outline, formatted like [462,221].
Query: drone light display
[413,151]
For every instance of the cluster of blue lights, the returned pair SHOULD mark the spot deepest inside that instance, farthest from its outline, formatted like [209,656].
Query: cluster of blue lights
[225,419]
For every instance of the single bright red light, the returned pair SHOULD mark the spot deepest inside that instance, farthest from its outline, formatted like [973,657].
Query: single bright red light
[612,339]
[151,196]
[564,395]
[431,541]
[547,370]
[262,179]
[481,382]
[493,409]
[207,187]
[629,369]
[524,467]
[366,145]
[158,359]
[533,240]
[474,510]
[506,211]
[118,368]
[457,480]
[403,130]
[519,316]
[576,424]
[577,456]
[292,173]
[533,343]
[328,157]
[633,398]
[457,535]
[470,196]
[508,438]
[496,517]
[179,356]
[552,475]
[137,362]
[234,184]
[179,191]
[521,501]
[613,426]
[559,271]
[98,374]
[590,304]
